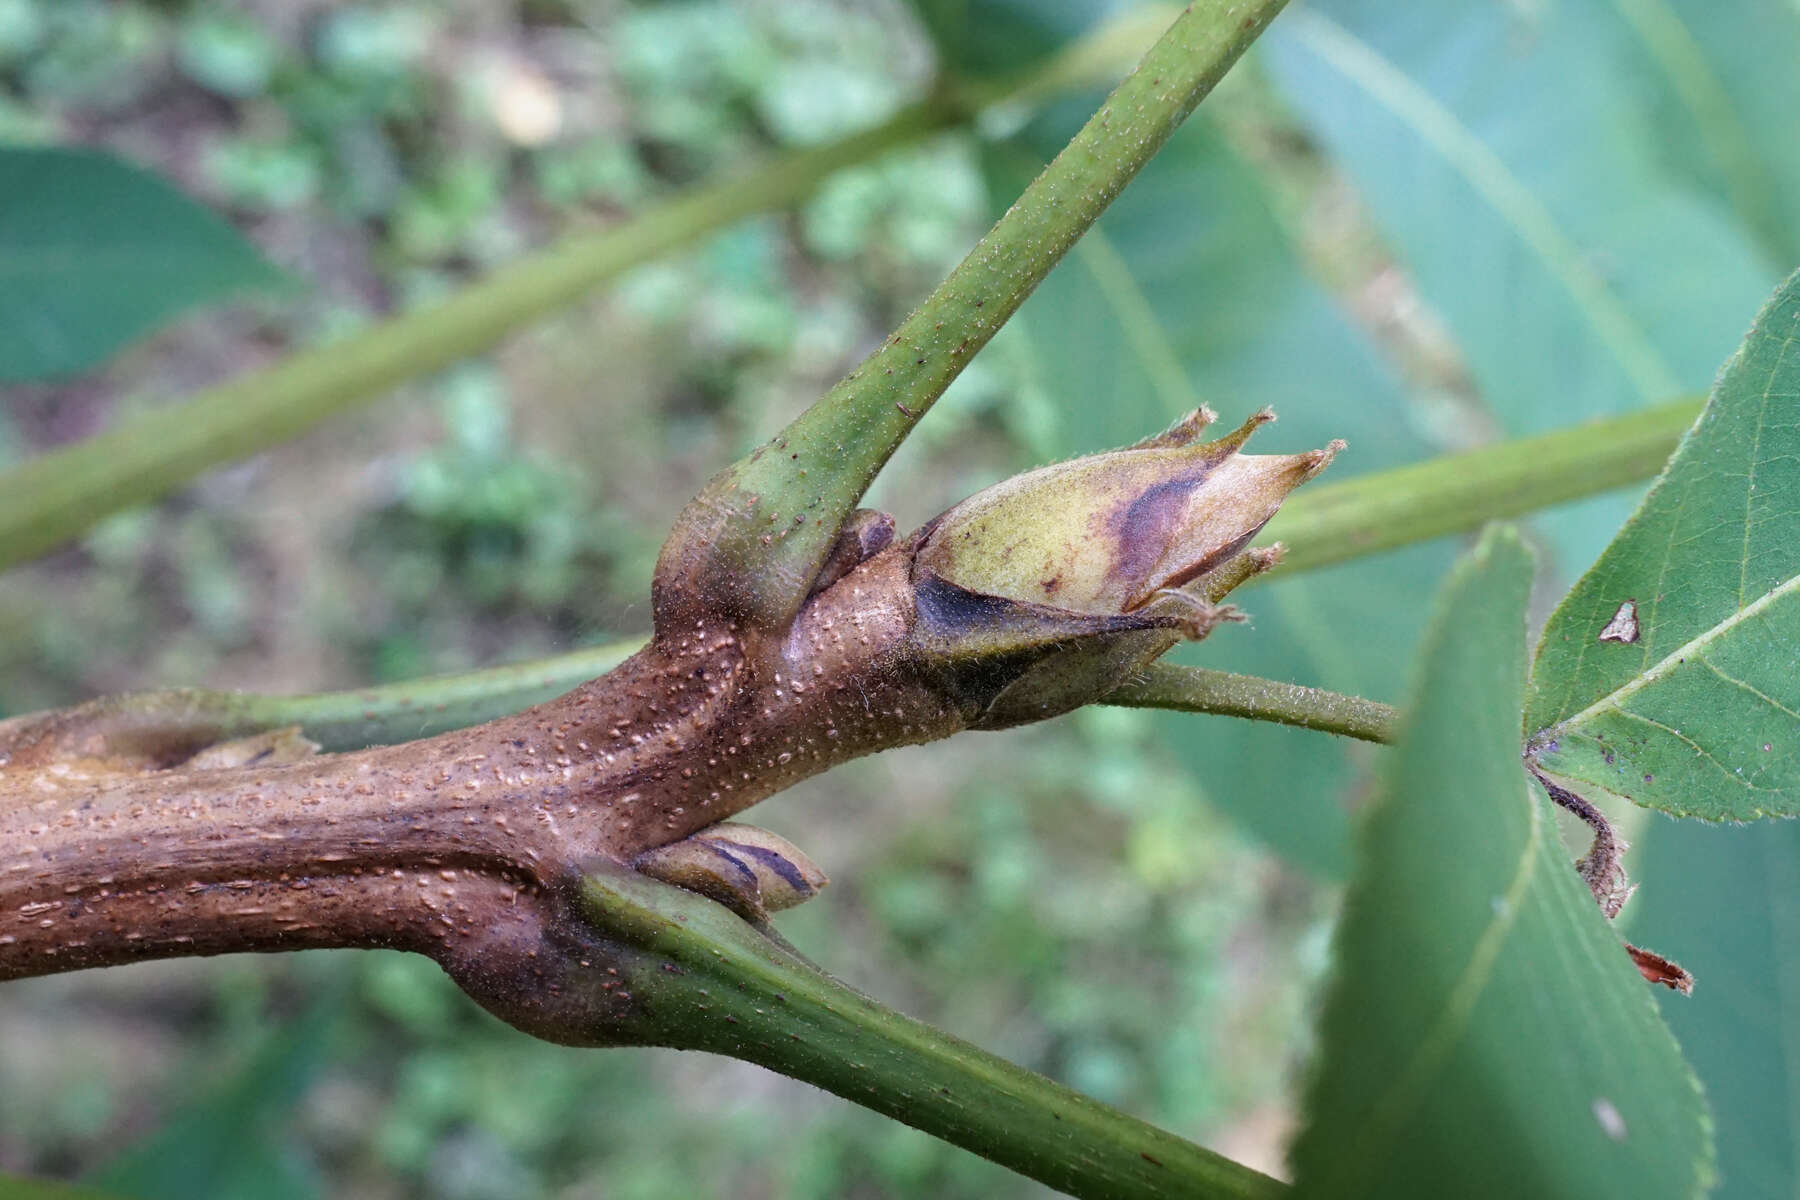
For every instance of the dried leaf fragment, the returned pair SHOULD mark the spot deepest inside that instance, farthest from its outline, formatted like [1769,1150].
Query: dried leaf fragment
[1657,969]
[1623,627]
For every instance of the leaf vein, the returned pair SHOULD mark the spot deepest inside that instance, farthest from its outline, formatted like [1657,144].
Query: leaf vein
[1495,182]
[1699,750]
[1693,647]
[1388,1116]
[1771,701]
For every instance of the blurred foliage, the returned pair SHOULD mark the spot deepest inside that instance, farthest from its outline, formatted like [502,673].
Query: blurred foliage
[78,283]
[1078,897]
[383,152]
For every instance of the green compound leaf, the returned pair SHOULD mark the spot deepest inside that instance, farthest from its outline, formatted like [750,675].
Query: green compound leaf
[1486,1035]
[1697,711]
[95,252]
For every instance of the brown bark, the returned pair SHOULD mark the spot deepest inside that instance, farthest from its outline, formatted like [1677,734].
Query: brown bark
[122,836]
[462,846]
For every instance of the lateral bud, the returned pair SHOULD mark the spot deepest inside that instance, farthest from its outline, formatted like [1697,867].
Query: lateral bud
[746,868]
[1044,592]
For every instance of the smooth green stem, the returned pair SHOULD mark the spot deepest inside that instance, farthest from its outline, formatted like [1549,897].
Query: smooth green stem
[709,981]
[57,495]
[769,520]
[1456,493]
[400,712]
[1198,690]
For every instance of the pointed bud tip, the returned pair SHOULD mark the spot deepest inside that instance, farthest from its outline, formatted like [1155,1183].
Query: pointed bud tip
[1199,419]
[1234,441]
[1312,462]
[1182,433]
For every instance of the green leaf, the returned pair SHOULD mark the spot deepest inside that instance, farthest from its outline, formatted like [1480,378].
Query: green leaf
[229,1144]
[1485,1034]
[1700,715]
[63,492]
[1506,154]
[1169,301]
[18,1187]
[1724,902]
[95,252]
[988,38]
[1720,82]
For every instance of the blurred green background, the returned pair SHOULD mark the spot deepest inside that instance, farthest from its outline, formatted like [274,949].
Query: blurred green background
[1417,230]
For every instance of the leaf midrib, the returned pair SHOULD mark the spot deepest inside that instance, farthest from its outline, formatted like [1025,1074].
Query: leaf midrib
[1670,661]
[1402,1097]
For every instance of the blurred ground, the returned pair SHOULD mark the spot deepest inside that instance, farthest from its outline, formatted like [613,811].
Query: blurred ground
[1060,896]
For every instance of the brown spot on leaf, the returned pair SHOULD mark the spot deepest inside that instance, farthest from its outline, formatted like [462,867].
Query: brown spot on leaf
[1623,627]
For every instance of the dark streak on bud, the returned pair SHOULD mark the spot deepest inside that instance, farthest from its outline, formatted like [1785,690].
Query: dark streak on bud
[1045,591]
[1149,524]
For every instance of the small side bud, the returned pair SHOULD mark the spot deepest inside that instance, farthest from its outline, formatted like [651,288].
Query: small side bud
[866,534]
[1044,591]
[747,869]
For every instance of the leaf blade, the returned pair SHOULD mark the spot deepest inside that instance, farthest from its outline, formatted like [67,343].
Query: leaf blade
[95,253]
[1494,183]
[1700,714]
[230,1142]
[1485,1029]
[1720,73]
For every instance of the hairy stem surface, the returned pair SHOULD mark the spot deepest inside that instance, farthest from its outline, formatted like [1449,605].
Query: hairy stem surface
[1457,493]
[1198,690]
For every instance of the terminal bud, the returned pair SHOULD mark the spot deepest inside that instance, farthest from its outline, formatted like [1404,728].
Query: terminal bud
[1045,591]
